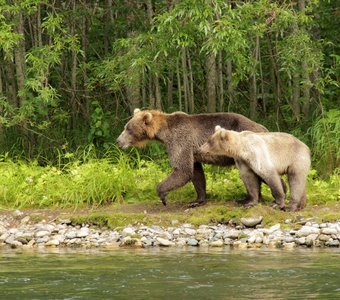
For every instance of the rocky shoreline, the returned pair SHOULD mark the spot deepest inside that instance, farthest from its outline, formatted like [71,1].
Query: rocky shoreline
[248,233]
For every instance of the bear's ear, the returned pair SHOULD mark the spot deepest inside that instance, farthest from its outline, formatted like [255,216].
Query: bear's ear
[217,128]
[224,135]
[137,110]
[147,118]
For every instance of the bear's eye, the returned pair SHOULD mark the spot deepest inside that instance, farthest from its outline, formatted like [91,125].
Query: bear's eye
[128,129]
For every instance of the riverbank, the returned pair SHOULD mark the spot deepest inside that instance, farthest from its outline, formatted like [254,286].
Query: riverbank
[124,226]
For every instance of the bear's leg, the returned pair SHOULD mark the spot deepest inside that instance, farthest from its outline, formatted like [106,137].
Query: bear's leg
[252,182]
[277,189]
[297,182]
[175,180]
[199,183]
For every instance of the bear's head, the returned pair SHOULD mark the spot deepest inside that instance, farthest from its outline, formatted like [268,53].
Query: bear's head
[220,143]
[142,127]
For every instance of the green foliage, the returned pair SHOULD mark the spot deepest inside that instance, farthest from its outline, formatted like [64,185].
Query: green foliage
[82,179]
[325,134]
[87,64]
[99,127]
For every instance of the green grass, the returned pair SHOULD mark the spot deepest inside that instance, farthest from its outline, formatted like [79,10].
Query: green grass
[124,178]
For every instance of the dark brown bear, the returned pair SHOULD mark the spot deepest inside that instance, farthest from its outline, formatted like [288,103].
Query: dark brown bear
[183,135]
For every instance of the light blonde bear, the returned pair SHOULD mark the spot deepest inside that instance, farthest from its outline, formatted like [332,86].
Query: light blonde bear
[267,155]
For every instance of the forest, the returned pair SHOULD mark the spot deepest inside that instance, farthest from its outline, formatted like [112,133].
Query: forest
[72,72]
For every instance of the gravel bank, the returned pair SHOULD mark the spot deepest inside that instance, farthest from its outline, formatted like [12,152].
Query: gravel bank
[249,233]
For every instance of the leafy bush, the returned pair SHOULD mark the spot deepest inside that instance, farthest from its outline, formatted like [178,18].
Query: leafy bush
[325,134]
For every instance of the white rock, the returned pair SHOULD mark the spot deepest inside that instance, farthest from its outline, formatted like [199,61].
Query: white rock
[232,234]
[329,230]
[275,227]
[218,243]
[53,242]
[83,232]
[251,222]
[128,231]
[307,230]
[190,231]
[163,242]
[42,233]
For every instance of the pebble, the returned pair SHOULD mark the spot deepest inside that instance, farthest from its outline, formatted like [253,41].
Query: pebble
[247,235]
[163,242]
[251,222]
[192,242]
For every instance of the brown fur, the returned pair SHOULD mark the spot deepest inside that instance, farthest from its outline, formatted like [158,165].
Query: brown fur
[182,135]
[268,155]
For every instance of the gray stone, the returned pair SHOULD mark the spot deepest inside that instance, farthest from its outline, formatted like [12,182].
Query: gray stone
[251,222]
[324,237]
[83,232]
[333,243]
[329,231]
[192,242]
[218,243]
[17,213]
[301,240]
[53,242]
[42,233]
[25,220]
[310,239]
[232,234]
[71,235]
[163,242]
[190,231]
[307,230]
[275,227]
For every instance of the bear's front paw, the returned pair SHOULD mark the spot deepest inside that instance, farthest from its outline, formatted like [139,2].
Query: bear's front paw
[162,196]
[278,206]
[196,203]
[292,208]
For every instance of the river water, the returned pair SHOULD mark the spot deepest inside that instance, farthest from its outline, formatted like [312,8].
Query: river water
[170,274]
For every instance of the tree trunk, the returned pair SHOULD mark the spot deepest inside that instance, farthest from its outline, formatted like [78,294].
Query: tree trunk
[191,85]
[74,107]
[305,73]
[275,80]
[230,89]
[263,94]
[179,86]
[84,46]
[211,82]
[157,90]
[19,56]
[170,87]
[185,79]
[220,82]
[108,19]
[158,96]
[253,83]
[39,36]
[10,82]
[296,96]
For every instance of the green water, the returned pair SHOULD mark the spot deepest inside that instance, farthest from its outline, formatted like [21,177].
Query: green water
[170,274]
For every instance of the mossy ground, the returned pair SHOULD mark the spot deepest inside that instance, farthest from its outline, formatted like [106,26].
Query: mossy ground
[175,214]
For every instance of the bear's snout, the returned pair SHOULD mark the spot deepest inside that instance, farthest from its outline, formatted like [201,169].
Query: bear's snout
[121,143]
[204,149]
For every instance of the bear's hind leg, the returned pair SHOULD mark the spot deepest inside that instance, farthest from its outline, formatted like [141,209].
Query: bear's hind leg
[199,183]
[252,182]
[277,189]
[297,183]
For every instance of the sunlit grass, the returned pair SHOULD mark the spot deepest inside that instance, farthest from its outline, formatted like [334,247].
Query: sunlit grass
[119,177]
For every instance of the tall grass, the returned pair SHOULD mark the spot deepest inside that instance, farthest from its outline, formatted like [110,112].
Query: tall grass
[85,178]
[77,179]
[325,135]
